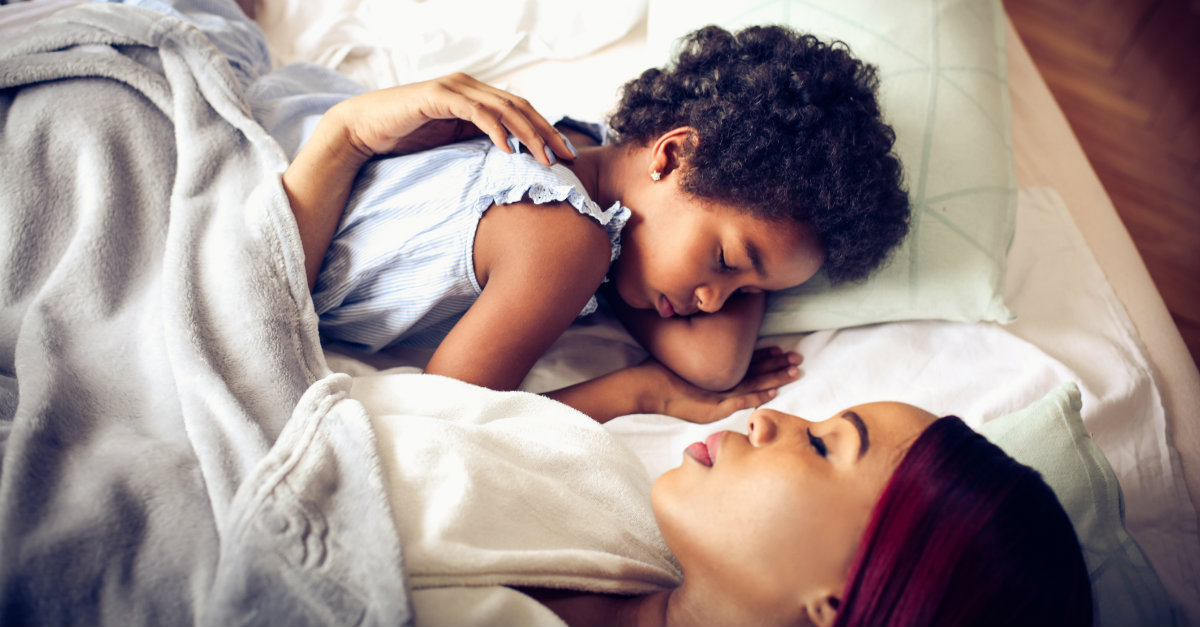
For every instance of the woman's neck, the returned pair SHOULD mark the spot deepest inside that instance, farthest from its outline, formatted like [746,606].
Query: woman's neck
[677,607]
[582,609]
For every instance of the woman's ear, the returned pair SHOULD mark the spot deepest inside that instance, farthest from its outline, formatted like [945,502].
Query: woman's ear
[822,608]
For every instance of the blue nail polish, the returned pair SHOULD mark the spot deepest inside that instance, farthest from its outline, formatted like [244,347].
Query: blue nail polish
[550,155]
[514,143]
[567,140]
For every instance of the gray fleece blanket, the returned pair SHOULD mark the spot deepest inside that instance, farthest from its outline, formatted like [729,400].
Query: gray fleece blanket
[174,450]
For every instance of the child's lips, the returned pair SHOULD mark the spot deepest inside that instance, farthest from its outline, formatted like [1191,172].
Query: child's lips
[665,309]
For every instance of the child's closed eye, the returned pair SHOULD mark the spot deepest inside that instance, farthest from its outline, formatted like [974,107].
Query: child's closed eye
[723,266]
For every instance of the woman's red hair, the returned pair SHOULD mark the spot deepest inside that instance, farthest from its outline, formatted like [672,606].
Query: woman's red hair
[965,535]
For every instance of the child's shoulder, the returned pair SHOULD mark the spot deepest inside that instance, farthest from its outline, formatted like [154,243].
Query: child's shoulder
[553,249]
[519,178]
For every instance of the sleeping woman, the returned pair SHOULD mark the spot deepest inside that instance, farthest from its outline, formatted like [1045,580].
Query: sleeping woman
[882,514]
[752,161]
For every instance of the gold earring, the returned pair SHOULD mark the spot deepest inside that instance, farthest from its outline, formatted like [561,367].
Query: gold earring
[655,175]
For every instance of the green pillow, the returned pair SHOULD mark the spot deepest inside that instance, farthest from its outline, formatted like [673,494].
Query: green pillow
[1050,437]
[942,87]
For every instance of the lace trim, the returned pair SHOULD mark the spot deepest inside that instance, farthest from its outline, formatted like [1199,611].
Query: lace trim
[612,219]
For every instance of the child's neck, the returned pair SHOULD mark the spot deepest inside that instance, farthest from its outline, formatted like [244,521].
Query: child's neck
[603,170]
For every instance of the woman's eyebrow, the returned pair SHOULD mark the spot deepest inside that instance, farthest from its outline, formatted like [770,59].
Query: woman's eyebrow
[863,440]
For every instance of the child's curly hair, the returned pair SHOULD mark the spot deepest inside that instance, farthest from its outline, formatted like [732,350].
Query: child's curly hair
[787,126]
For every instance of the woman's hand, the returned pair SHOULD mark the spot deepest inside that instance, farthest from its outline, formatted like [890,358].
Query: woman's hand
[399,120]
[417,116]
[669,394]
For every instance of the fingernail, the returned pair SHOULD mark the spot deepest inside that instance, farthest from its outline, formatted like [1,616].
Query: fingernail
[550,155]
[514,143]
[567,141]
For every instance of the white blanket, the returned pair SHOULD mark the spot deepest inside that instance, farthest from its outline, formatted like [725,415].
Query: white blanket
[509,489]
[162,460]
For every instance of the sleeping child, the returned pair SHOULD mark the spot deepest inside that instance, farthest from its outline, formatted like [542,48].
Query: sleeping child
[750,162]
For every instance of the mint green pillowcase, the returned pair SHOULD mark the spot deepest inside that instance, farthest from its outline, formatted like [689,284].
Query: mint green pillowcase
[942,87]
[1050,437]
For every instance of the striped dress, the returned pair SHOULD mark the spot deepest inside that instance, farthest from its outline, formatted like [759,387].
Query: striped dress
[400,269]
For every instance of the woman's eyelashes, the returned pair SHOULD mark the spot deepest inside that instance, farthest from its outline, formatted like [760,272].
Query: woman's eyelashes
[817,443]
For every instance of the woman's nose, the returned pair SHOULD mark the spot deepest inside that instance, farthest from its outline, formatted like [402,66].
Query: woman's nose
[766,425]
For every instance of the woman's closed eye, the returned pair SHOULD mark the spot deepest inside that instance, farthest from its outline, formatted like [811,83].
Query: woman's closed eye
[817,443]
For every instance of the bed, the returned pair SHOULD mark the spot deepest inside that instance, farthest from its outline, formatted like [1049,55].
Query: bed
[1047,291]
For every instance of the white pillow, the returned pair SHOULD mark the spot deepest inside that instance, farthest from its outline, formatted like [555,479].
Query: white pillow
[1050,437]
[942,88]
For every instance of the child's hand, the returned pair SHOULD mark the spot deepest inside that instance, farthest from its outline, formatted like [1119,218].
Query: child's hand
[417,116]
[667,393]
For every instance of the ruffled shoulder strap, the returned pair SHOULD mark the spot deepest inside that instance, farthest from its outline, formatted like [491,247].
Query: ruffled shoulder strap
[511,178]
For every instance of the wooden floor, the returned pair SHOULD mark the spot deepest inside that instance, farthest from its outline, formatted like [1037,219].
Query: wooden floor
[1127,75]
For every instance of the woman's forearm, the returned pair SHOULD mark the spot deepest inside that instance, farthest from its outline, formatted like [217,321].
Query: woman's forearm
[318,183]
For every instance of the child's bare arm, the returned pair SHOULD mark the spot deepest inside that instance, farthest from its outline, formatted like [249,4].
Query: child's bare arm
[710,350]
[650,387]
[539,265]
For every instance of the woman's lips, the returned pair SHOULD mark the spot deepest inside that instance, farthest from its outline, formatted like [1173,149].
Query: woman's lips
[712,443]
[705,452]
[699,452]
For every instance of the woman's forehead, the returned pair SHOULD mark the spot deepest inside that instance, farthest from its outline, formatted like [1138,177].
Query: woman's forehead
[894,424]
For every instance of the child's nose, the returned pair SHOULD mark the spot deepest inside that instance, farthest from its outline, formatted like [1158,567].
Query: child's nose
[709,298]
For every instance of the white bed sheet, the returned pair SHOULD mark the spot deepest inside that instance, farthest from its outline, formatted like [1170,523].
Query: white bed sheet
[384,42]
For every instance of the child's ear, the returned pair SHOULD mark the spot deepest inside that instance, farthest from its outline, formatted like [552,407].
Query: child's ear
[822,608]
[670,150]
